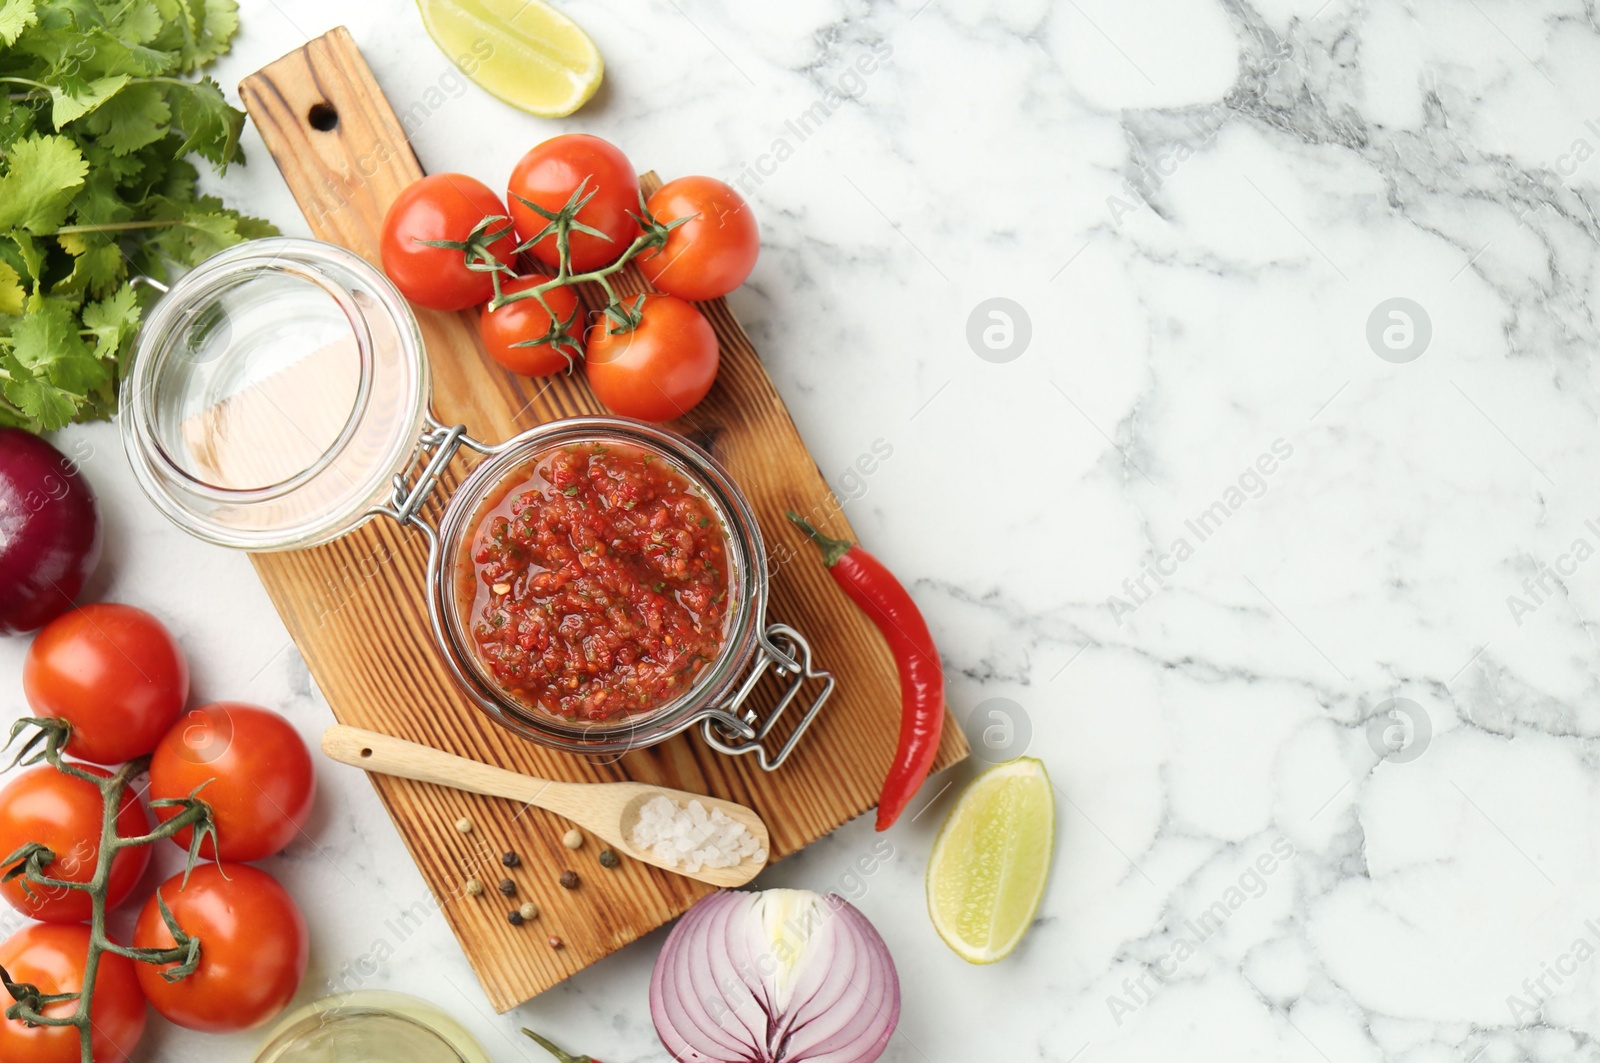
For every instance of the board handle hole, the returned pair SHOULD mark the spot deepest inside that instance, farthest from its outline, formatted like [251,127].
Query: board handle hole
[366,752]
[323,117]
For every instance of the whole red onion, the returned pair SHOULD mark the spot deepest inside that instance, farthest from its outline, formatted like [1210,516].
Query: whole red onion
[49,532]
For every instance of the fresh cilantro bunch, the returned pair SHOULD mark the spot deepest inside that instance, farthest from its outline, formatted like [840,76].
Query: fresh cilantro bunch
[99,117]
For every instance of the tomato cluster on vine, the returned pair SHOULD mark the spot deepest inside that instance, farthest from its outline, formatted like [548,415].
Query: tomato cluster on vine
[219,946]
[576,215]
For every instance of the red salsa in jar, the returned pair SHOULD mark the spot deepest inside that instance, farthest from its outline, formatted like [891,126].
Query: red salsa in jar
[599,582]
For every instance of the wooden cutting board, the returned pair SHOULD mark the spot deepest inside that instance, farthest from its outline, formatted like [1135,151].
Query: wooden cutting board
[356,607]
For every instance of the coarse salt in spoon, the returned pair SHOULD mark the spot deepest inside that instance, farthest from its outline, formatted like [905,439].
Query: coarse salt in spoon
[610,811]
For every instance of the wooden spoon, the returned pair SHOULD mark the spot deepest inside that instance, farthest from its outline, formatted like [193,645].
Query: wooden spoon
[607,810]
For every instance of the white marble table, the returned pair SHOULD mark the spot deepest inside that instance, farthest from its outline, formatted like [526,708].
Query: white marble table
[1198,529]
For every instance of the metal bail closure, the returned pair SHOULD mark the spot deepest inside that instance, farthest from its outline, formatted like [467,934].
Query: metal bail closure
[436,448]
[784,649]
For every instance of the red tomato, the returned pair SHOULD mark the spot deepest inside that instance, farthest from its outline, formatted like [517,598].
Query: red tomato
[712,253]
[551,172]
[253,948]
[502,329]
[51,957]
[256,771]
[442,206]
[64,813]
[661,369]
[114,673]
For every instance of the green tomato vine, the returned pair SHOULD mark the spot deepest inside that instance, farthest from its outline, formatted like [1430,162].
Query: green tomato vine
[623,315]
[32,861]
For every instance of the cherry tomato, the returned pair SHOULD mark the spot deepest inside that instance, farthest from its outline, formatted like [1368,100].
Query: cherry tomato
[551,172]
[256,772]
[442,206]
[253,948]
[710,254]
[51,957]
[658,371]
[114,673]
[64,813]
[502,329]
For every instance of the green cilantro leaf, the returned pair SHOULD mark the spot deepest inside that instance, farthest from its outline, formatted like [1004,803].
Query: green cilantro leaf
[41,174]
[46,341]
[113,321]
[97,266]
[209,27]
[211,126]
[72,104]
[138,21]
[137,116]
[100,132]
[30,254]
[16,16]
[37,400]
[12,293]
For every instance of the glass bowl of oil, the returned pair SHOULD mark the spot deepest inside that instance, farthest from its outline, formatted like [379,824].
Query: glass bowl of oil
[370,1027]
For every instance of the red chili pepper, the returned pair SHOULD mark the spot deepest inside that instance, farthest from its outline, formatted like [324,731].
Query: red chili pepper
[563,1056]
[882,597]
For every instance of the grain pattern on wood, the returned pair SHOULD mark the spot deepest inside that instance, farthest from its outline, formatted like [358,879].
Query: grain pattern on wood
[357,611]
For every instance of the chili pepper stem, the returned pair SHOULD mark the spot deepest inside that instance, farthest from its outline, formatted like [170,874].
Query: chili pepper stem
[561,1054]
[832,549]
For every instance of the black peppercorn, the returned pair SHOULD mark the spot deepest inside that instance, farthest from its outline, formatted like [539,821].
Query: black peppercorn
[569,880]
[508,888]
[514,917]
[511,860]
[609,858]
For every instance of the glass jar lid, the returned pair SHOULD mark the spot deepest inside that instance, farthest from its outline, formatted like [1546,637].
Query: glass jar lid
[275,391]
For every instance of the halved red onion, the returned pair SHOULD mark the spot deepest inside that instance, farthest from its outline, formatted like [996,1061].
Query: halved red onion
[785,975]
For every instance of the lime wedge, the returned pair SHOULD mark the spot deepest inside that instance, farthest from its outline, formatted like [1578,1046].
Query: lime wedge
[991,860]
[523,51]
